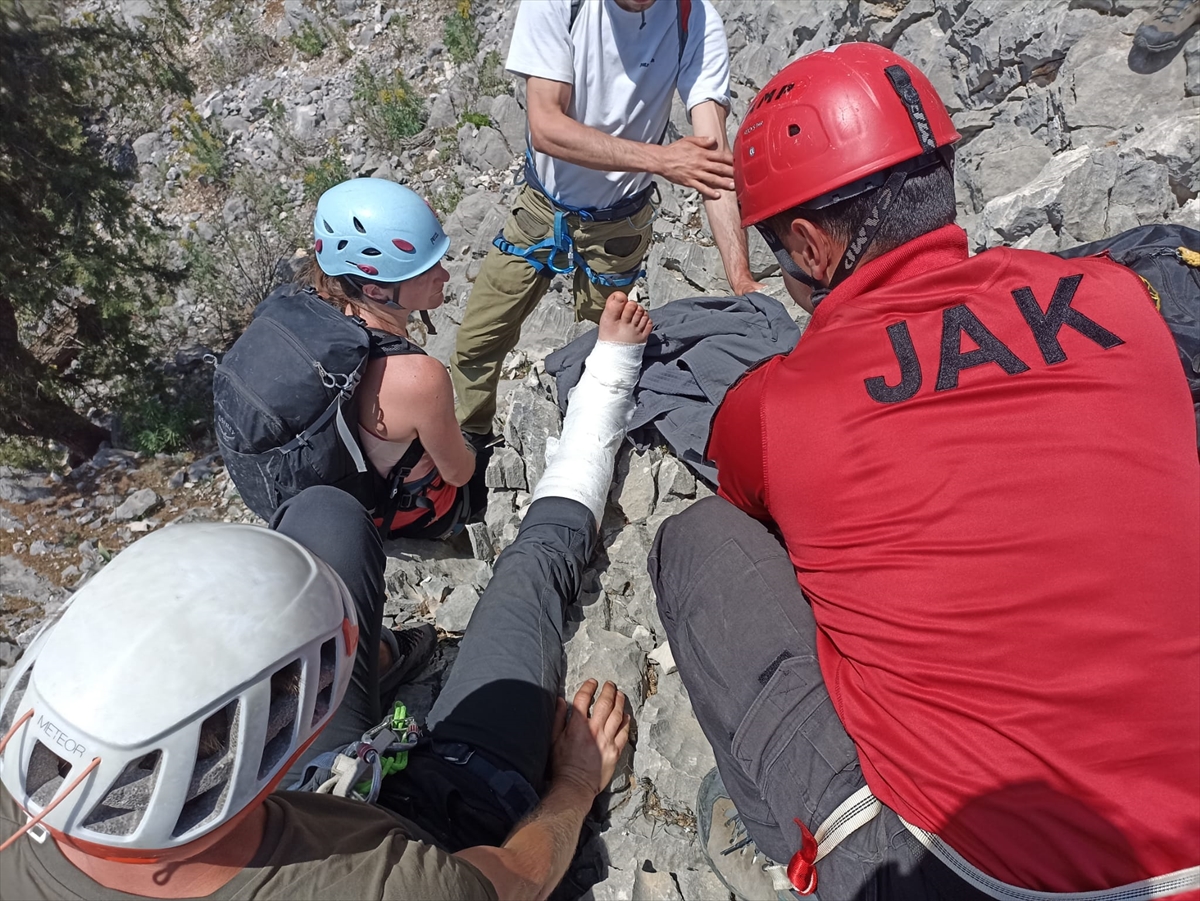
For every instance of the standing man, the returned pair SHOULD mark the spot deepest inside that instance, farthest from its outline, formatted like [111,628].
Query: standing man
[972,666]
[599,77]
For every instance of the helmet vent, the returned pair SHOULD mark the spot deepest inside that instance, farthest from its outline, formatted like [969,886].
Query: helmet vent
[370,252]
[793,130]
[281,721]
[14,701]
[327,677]
[328,227]
[45,774]
[359,227]
[342,244]
[123,807]
[211,775]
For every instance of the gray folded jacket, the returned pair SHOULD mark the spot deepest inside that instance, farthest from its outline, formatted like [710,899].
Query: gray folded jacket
[699,348]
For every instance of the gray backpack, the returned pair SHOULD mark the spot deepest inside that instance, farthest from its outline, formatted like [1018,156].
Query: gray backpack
[283,399]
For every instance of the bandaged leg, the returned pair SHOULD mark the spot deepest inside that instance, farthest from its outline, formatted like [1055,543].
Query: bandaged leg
[599,407]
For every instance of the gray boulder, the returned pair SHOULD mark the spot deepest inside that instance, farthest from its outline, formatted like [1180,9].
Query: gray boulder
[532,419]
[672,752]
[139,504]
[1070,194]
[483,148]
[509,119]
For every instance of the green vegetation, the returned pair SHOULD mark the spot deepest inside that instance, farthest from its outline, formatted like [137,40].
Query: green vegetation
[82,269]
[161,423]
[492,80]
[329,171]
[445,200]
[309,40]
[391,110]
[461,34]
[28,453]
[247,47]
[203,144]
[477,119]
[236,268]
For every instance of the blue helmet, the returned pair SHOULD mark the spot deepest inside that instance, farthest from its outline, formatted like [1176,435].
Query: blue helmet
[376,228]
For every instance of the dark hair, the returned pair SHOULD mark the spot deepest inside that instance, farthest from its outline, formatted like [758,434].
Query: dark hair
[926,202]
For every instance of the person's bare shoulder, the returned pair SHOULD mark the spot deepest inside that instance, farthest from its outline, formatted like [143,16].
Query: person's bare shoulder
[412,377]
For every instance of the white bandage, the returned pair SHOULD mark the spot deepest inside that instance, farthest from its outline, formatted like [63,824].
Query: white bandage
[580,465]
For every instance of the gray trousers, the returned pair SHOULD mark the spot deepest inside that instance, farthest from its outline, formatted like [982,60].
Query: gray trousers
[744,639]
[484,762]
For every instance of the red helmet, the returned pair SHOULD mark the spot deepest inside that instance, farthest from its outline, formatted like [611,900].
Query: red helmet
[831,120]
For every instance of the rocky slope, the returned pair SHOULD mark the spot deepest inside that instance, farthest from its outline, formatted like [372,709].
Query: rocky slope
[1068,136]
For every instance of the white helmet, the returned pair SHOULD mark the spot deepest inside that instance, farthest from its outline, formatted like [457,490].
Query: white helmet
[231,629]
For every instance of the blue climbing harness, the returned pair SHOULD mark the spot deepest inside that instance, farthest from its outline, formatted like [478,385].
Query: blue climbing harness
[560,244]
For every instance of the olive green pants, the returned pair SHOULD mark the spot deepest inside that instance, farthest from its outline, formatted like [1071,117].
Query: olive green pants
[508,289]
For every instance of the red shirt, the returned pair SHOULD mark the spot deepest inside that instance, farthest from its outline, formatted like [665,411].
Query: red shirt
[994,510]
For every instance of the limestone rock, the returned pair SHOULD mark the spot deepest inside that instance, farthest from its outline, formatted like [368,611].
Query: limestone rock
[1096,73]
[596,653]
[483,148]
[506,469]
[654,885]
[509,120]
[532,419]
[672,752]
[140,503]
[634,490]
[454,613]
[1070,193]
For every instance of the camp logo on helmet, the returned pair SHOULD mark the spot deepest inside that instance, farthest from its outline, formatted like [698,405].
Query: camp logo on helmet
[773,94]
[60,738]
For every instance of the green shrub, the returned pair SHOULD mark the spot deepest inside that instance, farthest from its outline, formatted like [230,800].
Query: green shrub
[156,427]
[460,34]
[477,119]
[331,170]
[203,143]
[29,453]
[391,110]
[445,200]
[309,39]
[492,80]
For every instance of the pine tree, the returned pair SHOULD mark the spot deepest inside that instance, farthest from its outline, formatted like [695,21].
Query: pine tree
[80,267]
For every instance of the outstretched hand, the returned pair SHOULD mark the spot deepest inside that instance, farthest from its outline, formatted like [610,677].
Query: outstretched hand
[696,162]
[587,746]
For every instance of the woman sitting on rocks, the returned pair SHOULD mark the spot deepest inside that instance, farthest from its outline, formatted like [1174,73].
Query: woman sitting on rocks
[379,248]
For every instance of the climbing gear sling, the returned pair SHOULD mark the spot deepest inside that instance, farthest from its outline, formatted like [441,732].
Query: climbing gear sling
[357,770]
[862,807]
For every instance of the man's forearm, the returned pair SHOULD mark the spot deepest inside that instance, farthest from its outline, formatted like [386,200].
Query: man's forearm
[534,858]
[568,140]
[724,220]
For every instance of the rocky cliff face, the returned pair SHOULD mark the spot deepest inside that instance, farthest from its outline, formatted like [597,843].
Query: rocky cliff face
[1068,136]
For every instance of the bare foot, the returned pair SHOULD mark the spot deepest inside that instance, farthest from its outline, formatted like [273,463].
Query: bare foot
[624,321]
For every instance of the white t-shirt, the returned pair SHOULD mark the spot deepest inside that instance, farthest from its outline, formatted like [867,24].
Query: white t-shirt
[623,73]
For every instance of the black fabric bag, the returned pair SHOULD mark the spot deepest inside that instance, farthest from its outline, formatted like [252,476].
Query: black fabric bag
[1160,255]
[283,399]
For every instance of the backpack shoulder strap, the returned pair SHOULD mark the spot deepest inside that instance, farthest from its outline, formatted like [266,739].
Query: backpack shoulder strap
[681,25]
[385,344]
[576,5]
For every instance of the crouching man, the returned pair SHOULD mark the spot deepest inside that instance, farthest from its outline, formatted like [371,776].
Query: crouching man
[146,728]
[941,626]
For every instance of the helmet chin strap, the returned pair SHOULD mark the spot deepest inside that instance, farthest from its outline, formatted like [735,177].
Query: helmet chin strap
[788,265]
[424,314]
